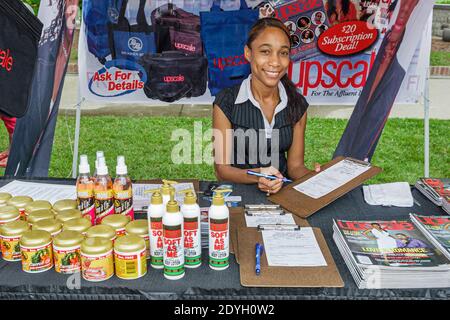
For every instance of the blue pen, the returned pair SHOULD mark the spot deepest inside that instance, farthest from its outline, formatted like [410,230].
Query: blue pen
[259,250]
[253,173]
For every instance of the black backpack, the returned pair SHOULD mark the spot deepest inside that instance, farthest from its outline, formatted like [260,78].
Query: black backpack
[20,32]
[174,75]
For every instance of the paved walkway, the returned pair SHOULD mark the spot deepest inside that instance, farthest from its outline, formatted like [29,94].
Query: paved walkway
[439,105]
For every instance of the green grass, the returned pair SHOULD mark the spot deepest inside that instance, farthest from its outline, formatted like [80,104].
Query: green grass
[440,58]
[147,146]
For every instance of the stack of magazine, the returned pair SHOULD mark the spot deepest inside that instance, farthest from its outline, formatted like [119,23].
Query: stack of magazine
[390,254]
[437,190]
[436,229]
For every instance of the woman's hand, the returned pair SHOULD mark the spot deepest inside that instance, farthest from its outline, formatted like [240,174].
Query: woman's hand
[270,186]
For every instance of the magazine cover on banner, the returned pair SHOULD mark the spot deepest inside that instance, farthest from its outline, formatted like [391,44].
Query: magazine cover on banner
[334,47]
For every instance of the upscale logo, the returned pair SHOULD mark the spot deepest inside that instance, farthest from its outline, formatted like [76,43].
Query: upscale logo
[187,47]
[179,78]
[6,60]
[231,61]
[135,44]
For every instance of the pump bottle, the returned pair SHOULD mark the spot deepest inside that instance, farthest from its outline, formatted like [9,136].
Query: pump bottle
[219,235]
[192,237]
[123,192]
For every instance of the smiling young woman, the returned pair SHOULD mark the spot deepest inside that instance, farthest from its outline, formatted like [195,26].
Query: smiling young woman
[260,121]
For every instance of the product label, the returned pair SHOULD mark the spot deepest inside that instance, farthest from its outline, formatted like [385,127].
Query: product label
[97,268]
[104,205]
[192,242]
[156,241]
[10,247]
[123,203]
[130,265]
[218,243]
[38,259]
[67,260]
[173,250]
[86,204]
[120,232]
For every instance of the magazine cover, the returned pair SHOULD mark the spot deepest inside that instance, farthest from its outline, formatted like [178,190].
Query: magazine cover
[440,186]
[389,243]
[438,227]
[306,21]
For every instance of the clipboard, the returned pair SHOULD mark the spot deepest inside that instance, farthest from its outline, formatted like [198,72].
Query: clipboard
[237,220]
[304,206]
[293,277]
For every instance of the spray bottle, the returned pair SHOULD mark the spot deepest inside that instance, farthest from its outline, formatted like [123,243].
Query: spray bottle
[104,200]
[85,190]
[123,192]
[155,214]
[219,235]
[192,236]
[173,240]
[99,154]
[165,190]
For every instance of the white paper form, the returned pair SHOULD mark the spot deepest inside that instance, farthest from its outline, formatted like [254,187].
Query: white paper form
[40,191]
[292,248]
[141,200]
[256,220]
[332,178]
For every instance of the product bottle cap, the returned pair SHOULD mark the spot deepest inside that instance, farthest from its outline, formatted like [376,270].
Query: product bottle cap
[166,187]
[190,197]
[218,198]
[157,198]
[121,167]
[102,169]
[172,205]
[84,167]
[100,154]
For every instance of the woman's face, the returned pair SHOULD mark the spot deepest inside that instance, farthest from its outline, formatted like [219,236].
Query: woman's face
[269,56]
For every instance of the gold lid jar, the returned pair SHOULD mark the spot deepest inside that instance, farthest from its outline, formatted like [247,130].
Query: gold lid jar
[130,257]
[37,205]
[65,205]
[67,252]
[39,215]
[10,234]
[118,222]
[97,260]
[80,225]
[101,231]
[8,214]
[50,225]
[140,228]
[68,214]
[37,252]
[20,202]
[4,197]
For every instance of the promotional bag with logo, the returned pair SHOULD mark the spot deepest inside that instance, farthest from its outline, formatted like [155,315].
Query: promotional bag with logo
[174,75]
[20,32]
[224,34]
[97,15]
[177,30]
[131,42]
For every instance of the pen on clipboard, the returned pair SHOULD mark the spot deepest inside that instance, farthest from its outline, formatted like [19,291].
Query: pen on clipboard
[270,177]
[259,248]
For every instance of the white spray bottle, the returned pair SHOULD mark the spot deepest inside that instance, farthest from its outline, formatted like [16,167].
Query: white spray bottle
[219,232]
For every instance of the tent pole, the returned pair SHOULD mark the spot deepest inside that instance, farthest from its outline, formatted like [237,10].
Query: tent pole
[427,125]
[77,135]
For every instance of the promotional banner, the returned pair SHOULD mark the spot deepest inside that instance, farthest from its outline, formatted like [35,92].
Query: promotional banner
[335,45]
[33,136]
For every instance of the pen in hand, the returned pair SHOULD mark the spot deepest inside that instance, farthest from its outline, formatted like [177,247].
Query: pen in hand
[259,248]
[270,177]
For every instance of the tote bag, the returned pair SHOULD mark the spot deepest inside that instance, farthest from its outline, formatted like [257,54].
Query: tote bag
[20,32]
[131,42]
[224,34]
